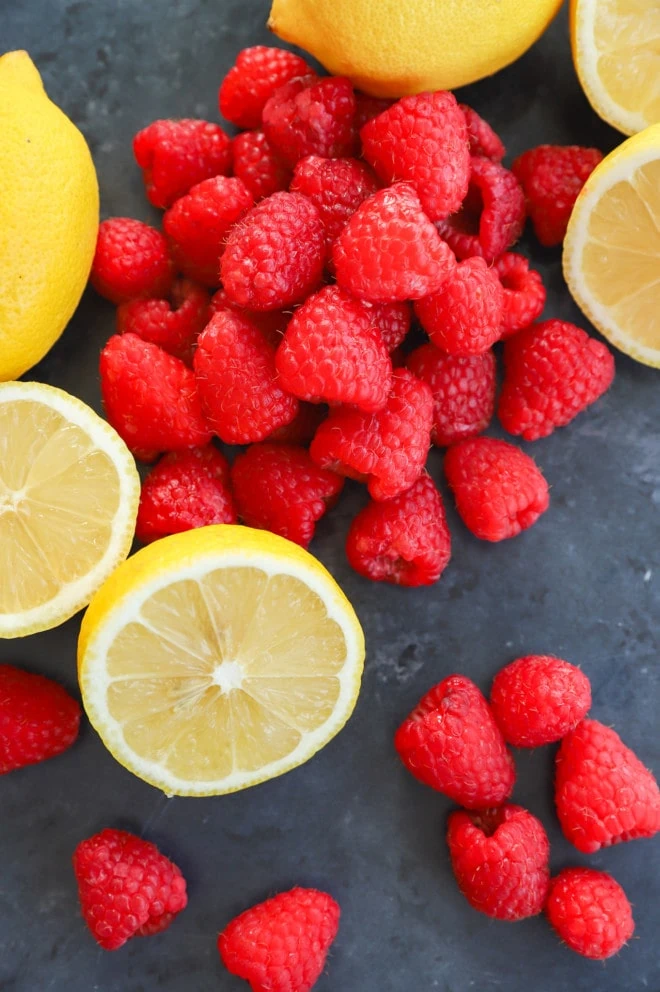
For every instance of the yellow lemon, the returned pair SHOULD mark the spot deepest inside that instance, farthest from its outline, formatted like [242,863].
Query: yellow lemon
[396,47]
[49,214]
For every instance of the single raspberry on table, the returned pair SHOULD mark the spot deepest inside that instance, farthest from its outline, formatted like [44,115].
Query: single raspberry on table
[451,742]
[337,187]
[303,427]
[38,719]
[393,320]
[272,323]
[174,323]
[482,139]
[368,107]
[281,945]
[590,912]
[127,888]
[131,261]
[500,858]
[463,317]
[175,155]
[524,293]
[312,116]
[252,80]
[603,793]
[258,166]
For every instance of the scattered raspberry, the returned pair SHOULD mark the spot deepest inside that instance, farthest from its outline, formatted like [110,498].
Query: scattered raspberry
[388,449]
[127,888]
[404,540]
[272,323]
[312,116]
[337,187]
[332,352]
[393,320]
[198,223]
[257,165]
[303,427]
[524,293]
[590,912]
[538,699]
[389,249]
[451,742]
[499,490]
[483,140]
[603,793]
[500,858]
[257,73]
[38,719]
[281,945]
[368,107]
[422,139]
[463,391]
[274,257]
[173,324]
[237,380]
[463,317]
[552,177]
[130,261]
[176,155]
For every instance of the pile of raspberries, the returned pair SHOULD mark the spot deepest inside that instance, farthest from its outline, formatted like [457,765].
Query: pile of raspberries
[324,231]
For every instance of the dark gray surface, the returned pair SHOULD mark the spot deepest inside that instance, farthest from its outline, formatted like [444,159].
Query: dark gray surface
[584,583]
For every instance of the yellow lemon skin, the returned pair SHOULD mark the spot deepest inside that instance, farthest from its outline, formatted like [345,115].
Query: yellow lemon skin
[49,215]
[393,48]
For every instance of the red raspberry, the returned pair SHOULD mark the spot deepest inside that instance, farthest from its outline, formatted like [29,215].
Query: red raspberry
[38,719]
[337,187]
[198,223]
[279,488]
[176,155]
[257,165]
[312,116]
[303,427]
[603,793]
[552,177]
[150,397]
[131,261]
[272,323]
[463,391]
[388,449]
[499,490]
[524,293]
[404,540]
[492,216]
[483,140]
[127,888]
[463,317]
[500,858]
[369,107]
[275,256]
[451,742]
[424,140]
[538,699]
[173,324]
[590,912]
[393,320]
[281,945]
[237,380]
[257,73]
[389,249]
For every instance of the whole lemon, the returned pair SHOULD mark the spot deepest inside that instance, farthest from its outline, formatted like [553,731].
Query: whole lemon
[397,47]
[49,215]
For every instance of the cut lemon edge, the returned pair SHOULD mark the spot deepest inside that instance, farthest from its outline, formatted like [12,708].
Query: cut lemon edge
[217,659]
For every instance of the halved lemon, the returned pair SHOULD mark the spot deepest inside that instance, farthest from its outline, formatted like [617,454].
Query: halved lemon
[69,493]
[612,247]
[219,658]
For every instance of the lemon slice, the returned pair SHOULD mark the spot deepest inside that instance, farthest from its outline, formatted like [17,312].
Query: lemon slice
[219,658]
[616,50]
[69,492]
[612,247]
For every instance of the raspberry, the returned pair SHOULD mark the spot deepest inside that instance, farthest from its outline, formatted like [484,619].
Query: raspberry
[404,540]
[281,945]
[492,216]
[463,391]
[524,293]
[130,261]
[463,317]
[368,107]
[173,324]
[235,368]
[312,116]
[483,140]
[451,742]
[387,449]
[333,353]
[127,888]
[38,719]
[257,165]
[198,223]
[337,187]
[422,139]
[279,488]
[272,323]
[150,397]
[538,699]
[258,72]
[500,858]
[603,793]
[303,427]
[389,249]
[176,155]
[275,256]
[552,177]
[393,321]
[590,912]
[499,490]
